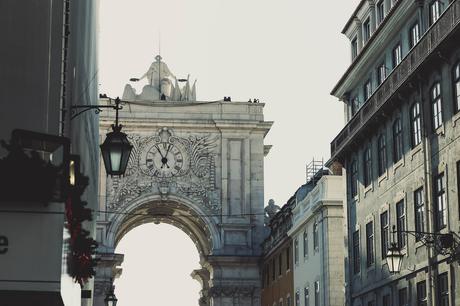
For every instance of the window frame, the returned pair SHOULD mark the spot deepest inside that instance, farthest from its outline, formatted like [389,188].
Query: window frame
[436,105]
[440,201]
[356,253]
[435,11]
[442,296]
[354,178]
[370,254]
[421,294]
[306,295]
[381,154]
[380,11]
[396,55]
[367,166]
[401,223]
[367,90]
[384,233]
[398,143]
[402,297]
[414,32]
[305,243]
[416,124]
[419,212]
[366,30]
[315,236]
[381,73]
[296,250]
[354,47]
[456,86]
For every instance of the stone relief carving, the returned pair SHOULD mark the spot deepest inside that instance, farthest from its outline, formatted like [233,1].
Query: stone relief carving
[168,164]
[232,291]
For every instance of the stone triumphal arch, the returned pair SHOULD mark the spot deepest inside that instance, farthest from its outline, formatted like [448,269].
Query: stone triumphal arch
[195,165]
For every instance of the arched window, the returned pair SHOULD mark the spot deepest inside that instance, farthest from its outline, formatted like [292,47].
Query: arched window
[315,236]
[305,243]
[382,154]
[456,79]
[436,105]
[397,140]
[416,127]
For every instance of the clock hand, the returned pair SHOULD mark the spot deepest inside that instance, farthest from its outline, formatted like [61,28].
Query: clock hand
[167,151]
[158,149]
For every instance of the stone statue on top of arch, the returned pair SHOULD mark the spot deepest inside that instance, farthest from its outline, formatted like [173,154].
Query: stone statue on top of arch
[162,85]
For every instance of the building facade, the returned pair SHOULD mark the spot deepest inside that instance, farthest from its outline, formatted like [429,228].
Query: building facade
[276,264]
[400,149]
[317,242]
[49,65]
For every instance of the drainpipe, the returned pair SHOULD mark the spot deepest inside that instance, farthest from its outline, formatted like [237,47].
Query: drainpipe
[323,285]
[428,194]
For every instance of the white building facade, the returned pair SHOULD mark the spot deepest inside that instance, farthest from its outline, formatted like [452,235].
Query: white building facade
[317,243]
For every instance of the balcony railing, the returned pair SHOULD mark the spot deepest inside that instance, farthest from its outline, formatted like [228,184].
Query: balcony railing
[432,38]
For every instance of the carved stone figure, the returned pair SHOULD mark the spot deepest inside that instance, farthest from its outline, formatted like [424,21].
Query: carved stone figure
[270,211]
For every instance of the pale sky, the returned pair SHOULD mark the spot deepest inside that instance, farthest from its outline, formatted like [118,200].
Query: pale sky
[289,54]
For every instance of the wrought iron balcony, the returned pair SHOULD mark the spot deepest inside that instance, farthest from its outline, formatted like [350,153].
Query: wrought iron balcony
[428,44]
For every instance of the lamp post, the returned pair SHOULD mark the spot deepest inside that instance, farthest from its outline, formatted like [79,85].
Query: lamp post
[116,148]
[447,244]
[110,298]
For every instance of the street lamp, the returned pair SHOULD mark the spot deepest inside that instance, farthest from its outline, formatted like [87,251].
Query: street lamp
[110,298]
[116,148]
[447,244]
[394,258]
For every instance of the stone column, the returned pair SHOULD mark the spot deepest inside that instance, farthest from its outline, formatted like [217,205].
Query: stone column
[234,280]
[106,271]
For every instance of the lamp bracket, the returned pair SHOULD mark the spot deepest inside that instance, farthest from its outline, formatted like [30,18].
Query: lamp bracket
[77,110]
[447,244]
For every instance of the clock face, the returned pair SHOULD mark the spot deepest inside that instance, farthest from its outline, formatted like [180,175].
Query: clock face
[164,159]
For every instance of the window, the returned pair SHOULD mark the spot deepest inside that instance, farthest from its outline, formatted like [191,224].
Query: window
[436,105]
[371,303]
[317,293]
[414,35]
[370,243]
[305,243]
[442,290]
[367,166]
[384,233]
[354,178]
[297,298]
[315,236]
[435,11]
[366,30]
[380,12]
[416,126]
[456,78]
[288,301]
[280,263]
[288,258]
[280,303]
[306,296]
[367,90]
[354,48]
[419,207]
[273,269]
[396,55]
[381,73]
[440,203]
[382,154]
[402,297]
[356,255]
[296,250]
[386,300]
[401,223]
[397,140]
[421,294]
[355,105]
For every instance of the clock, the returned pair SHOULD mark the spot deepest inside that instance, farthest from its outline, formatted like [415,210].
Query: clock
[165,159]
